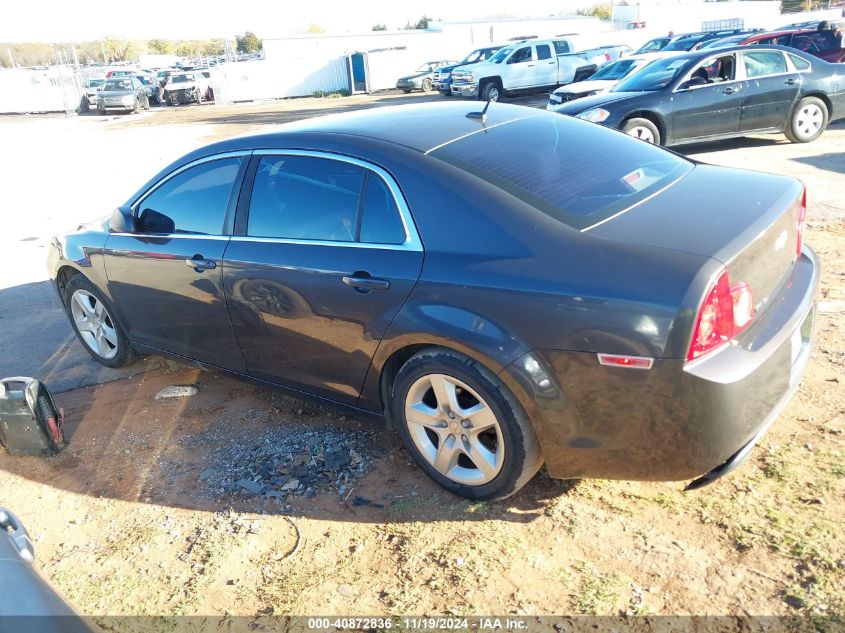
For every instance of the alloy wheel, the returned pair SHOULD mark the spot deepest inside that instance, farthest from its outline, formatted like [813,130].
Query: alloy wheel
[94,324]
[642,133]
[809,120]
[454,429]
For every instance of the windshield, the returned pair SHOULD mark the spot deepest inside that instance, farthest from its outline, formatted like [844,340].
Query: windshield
[501,54]
[683,44]
[617,69]
[425,67]
[656,76]
[575,173]
[118,84]
[727,41]
[93,83]
[179,79]
[653,45]
[473,57]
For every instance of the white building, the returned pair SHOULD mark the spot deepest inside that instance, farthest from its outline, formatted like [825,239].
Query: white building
[305,64]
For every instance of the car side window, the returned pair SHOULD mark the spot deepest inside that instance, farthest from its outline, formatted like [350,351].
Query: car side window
[799,62]
[193,201]
[521,55]
[561,47]
[714,70]
[762,63]
[380,221]
[544,51]
[307,198]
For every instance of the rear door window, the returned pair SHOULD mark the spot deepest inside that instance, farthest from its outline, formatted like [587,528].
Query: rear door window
[762,63]
[193,201]
[544,51]
[575,172]
[307,198]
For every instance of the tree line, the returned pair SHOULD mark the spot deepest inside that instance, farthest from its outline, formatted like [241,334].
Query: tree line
[112,49]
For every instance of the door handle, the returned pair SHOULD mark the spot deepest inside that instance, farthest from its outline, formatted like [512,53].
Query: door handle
[200,264]
[362,282]
[791,81]
[729,90]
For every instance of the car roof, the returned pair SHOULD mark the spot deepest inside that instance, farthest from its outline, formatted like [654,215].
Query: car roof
[442,122]
[759,36]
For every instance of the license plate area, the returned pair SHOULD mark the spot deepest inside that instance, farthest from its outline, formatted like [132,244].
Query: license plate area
[799,344]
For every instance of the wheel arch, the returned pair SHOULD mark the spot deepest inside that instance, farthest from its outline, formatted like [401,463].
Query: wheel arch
[820,96]
[64,274]
[650,116]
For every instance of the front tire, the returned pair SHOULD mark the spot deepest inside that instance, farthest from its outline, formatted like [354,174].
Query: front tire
[808,120]
[426,85]
[92,321]
[463,426]
[642,129]
[491,92]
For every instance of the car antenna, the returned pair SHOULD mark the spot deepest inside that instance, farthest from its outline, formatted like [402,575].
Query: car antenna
[482,116]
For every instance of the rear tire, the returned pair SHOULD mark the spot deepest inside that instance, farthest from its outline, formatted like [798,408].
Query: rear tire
[642,129]
[463,426]
[809,119]
[91,318]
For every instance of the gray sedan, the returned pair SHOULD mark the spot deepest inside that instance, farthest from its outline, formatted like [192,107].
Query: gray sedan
[572,296]
[122,94]
[422,78]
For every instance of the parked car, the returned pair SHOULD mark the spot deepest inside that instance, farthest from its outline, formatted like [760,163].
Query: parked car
[125,72]
[530,66]
[723,42]
[723,93]
[423,77]
[609,75]
[691,41]
[655,44]
[185,87]
[442,79]
[558,305]
[822,44]
[89,94]
[123,94]
[153,90]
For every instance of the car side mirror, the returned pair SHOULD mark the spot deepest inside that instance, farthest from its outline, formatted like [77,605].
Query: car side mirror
[122,220]
[150,221]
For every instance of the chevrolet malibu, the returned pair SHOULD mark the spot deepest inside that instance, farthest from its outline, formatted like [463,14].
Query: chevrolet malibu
[570,296]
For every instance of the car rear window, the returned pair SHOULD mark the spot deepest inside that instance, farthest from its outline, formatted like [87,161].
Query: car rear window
[576,172]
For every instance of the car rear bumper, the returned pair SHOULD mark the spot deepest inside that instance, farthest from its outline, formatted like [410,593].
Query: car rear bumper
[677,420]
[464,90]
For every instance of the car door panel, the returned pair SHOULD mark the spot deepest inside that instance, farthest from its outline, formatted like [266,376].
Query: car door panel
[711,109]
[768,92]
[310,305]
[167,277]
[546,65]
[299,324]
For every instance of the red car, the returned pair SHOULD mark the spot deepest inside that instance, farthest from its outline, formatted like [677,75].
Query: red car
[826,44]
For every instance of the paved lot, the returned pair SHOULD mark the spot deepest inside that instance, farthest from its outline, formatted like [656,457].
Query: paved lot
[62,171]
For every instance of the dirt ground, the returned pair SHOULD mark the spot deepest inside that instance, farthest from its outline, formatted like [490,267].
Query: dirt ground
[124,524]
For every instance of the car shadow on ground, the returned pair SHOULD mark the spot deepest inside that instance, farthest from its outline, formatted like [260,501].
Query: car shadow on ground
[832,161]
[232,445]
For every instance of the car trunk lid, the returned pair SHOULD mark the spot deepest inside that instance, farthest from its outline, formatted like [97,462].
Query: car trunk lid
[746,220]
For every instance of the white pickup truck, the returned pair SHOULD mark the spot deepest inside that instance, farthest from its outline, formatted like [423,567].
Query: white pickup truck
[531,66]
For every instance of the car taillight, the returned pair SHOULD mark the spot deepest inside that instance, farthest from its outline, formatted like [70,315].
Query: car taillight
[726,311]
[802,220]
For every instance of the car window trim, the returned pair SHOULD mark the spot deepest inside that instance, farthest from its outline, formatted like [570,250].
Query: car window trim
[412,239]
[230,205]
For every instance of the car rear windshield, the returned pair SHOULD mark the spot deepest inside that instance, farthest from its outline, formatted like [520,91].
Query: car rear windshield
[576,172]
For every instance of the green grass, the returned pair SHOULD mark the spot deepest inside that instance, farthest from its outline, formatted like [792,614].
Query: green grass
[596,593]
